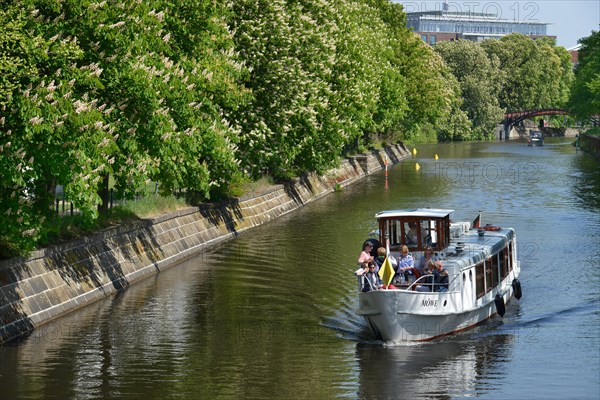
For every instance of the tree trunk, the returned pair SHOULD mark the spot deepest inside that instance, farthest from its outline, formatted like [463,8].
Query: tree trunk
[104,194]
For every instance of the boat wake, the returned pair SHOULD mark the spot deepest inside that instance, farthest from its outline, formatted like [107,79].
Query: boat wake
[554,316]
[527,329]
[348,324]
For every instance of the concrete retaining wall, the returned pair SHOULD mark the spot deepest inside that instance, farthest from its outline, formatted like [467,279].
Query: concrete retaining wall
[590,144]
[55,281]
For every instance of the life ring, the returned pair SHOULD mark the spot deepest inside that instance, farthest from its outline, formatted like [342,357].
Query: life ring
[491,228]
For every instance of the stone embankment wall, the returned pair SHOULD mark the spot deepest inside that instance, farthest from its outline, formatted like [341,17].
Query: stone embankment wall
[55,281]
[590,144]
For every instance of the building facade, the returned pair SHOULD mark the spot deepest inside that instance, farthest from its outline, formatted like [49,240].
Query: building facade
[443,25]
[574,52]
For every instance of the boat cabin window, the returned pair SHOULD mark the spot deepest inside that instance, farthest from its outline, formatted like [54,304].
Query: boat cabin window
[491,272]
[504,263]
[415,232]
[429,234]
[510,255]
[410,233]
[480,280]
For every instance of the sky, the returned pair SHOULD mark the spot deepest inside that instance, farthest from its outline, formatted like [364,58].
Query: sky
[569,20]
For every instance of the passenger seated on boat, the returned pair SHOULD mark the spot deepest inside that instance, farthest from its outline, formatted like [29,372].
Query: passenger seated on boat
[372,281]
[428,255]
[440,278]
[406,266]
[381,255]
[427,280]
[411,234]
[427,241]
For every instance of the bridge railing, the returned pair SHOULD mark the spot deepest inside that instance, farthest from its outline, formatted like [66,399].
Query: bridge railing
[513,115]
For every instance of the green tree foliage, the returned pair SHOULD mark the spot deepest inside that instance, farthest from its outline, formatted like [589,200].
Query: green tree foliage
[535,74]
[19,52]
[289,126]
[363,70]
[456,126]
[136,90]
[196,94]
[585,95]
[429,89]
[38,107]
[479,85]
[566,75]
[393,104]
[323,77]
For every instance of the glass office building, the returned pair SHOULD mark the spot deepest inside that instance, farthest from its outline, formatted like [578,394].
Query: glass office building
[447,25]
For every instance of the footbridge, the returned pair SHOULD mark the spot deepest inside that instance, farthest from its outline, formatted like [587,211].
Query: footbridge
[513,118]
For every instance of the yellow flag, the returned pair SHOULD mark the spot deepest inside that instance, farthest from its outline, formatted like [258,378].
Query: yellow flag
[386,272]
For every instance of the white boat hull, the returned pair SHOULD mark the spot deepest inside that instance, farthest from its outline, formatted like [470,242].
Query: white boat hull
[408,316]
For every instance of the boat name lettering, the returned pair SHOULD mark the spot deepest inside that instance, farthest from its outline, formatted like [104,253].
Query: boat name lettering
[429,303]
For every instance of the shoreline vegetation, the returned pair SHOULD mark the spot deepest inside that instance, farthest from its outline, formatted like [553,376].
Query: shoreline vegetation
[103,99]
[73,227]
[69,228]
[154,205]
[147,207]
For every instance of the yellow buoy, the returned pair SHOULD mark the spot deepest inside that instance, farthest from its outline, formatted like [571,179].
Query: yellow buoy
[414,151]
[417,167]
[436,157]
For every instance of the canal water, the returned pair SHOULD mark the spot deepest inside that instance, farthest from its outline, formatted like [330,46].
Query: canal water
[270,314]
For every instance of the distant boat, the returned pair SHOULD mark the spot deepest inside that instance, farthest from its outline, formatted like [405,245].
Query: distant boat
[482,276]
[536,138]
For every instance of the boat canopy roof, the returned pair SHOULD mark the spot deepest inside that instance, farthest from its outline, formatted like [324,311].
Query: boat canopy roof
[415,212]
[417,228]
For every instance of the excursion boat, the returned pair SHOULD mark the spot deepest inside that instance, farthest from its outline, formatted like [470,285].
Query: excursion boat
[536,138]
[482,270]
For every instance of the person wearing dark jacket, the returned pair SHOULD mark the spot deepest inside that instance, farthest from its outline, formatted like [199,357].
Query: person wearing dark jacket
[427,280]
[440,278]
[372,281]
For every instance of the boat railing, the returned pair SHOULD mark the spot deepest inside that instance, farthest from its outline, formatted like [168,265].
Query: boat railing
[422,281]
[362,282]
[452,279]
